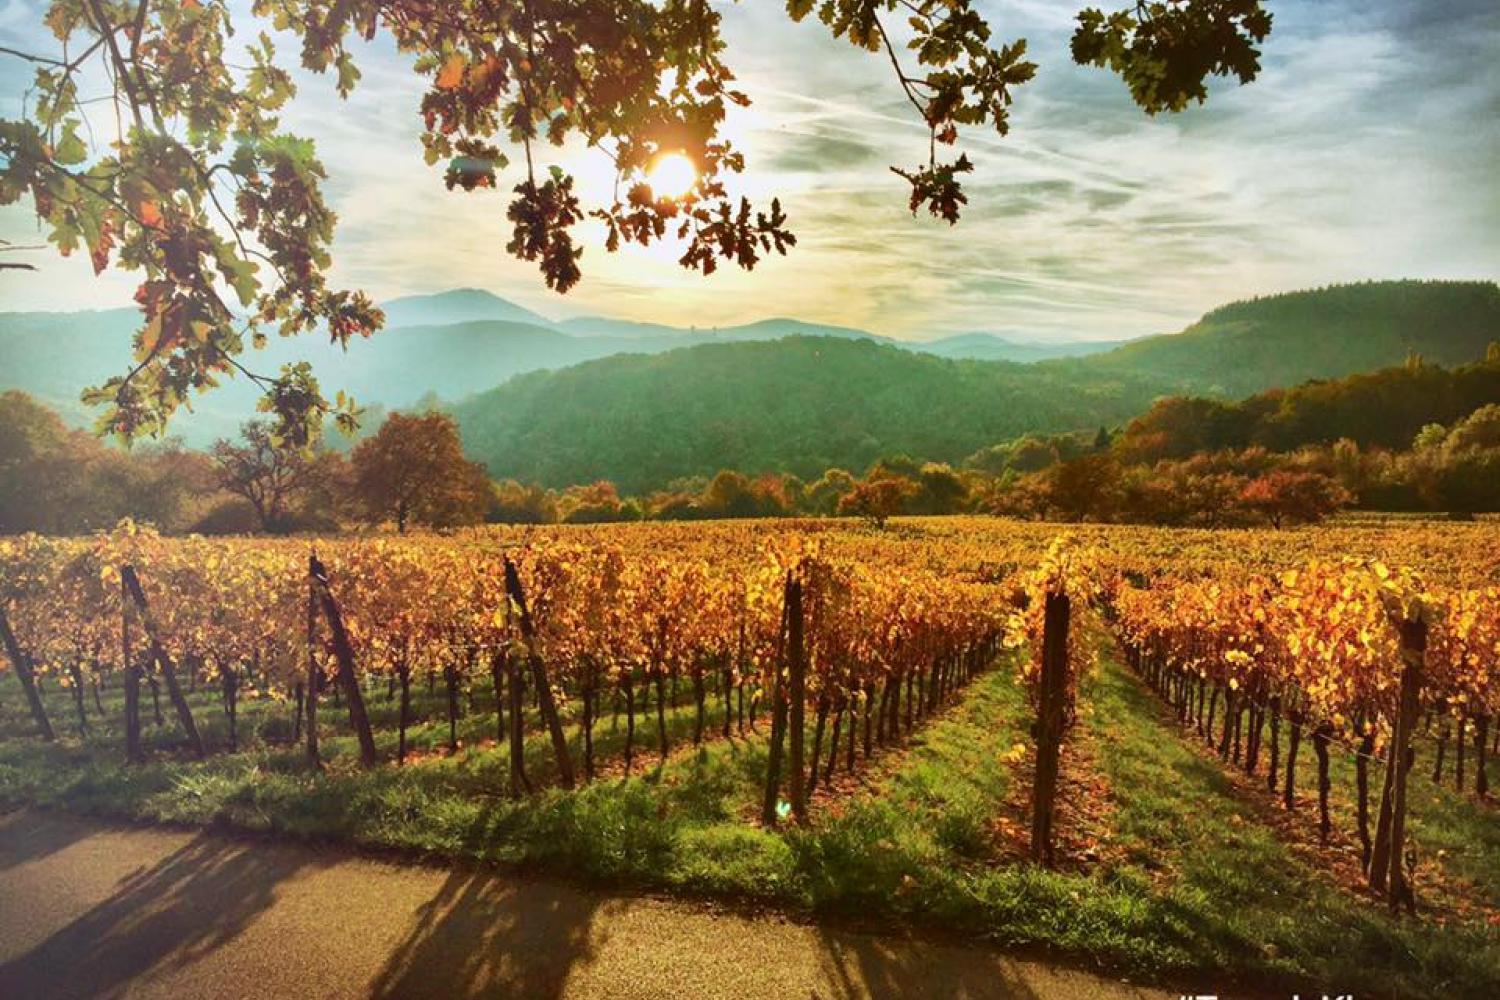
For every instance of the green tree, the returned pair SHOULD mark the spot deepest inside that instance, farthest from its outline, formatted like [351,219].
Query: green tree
[1031,454]
[1430,436]
[203,192]
[414,470]
[940,490]
[46,471]
[596,503]
[730,494]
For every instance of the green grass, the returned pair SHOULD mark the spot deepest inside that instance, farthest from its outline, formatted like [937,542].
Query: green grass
[1192,884]
[1230,893]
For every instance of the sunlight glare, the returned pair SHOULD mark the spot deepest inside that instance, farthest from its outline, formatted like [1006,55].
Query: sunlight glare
[672,176]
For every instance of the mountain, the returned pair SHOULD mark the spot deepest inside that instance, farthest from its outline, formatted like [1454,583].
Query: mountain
[800,404]
[604,326]
[462,342]
[989,347]
[766,329]
[1282,340]
[55,355]
[804,404]
[461,305]
[450,345]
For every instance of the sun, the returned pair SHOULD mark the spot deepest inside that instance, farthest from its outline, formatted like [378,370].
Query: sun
[672,176]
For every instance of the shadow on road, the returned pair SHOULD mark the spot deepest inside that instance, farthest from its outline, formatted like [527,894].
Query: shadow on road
[163,917]
[480,936]
[860,966]
[29,836]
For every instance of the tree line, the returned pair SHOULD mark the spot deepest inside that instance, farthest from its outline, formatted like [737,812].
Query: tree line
[1416,437]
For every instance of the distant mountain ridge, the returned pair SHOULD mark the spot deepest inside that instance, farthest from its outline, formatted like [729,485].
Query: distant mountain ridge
[989,347]
[458,305]
[804,404]
[521,363]
[449,345]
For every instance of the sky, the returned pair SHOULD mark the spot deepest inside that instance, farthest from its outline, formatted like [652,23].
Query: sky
[1367,149]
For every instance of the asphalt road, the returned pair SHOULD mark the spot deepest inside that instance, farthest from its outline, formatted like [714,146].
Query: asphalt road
[88,910]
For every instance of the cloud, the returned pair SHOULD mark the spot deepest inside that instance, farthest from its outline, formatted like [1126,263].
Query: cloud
[1365,150]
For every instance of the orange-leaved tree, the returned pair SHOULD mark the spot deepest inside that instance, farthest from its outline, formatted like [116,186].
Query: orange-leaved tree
[413,470]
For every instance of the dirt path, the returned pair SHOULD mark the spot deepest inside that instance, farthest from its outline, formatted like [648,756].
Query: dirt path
[88,910]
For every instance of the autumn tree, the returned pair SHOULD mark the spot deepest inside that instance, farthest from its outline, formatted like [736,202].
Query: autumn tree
[184,174]
[264,472]
[1283,496]
[518,503]
[877,497]
[1085,487]
[823,495]
[414,470]
[596,503]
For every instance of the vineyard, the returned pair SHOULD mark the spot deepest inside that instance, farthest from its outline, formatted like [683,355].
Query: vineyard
[933,720]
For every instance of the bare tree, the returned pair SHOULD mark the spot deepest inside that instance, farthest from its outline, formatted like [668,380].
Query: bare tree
[264,471]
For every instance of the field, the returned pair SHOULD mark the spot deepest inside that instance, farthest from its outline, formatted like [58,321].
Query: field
[828,720]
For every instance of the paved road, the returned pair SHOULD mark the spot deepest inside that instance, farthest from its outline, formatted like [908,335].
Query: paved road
[96,911]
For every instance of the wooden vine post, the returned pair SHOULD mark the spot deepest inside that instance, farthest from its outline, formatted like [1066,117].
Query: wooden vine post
[132,585]
[313,756]
[1387,872]
[132,685]
[519,783]
[792,598]
[359,719]
[797,701]
[545,699]
[1050,722]
[22,664]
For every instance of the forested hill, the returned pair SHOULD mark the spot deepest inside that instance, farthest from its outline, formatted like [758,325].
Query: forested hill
[805,404]
[1282,340]
[801,404]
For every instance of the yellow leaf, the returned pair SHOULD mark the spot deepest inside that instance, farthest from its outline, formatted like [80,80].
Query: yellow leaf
[452,73]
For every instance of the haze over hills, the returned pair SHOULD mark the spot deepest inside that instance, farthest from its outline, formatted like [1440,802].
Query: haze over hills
[989,347]
[807,404]
[765,329]
[448,345]
[650,400]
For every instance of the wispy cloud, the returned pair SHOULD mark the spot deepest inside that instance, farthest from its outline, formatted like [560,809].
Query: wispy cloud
[1366,150]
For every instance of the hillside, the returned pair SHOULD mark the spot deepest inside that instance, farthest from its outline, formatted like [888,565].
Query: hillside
[459,343]
[989,347]
[806,404]
[449,345]
[1282,340]
[802,404]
